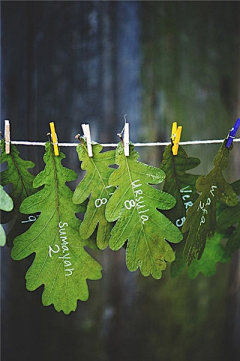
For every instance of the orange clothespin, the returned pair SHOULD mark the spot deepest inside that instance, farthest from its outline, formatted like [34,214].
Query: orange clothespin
[87,135]
[175,137]
[54,138]
[7,136]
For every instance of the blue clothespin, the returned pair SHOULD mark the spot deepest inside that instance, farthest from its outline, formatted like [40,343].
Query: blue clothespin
[232,133]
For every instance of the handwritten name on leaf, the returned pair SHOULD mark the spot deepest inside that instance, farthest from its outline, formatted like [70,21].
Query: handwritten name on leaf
[135,207]
[179,183]
[95,186]
[200,222]
[61,262]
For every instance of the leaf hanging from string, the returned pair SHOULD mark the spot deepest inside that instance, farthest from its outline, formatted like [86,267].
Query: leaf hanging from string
[134,205]
[215,251]
[182,186]
[178,183]
[201,217]
[6,204]
[21,180]
[95,184]
[61,263]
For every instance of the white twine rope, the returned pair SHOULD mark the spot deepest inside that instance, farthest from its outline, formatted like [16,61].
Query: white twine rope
[113,145]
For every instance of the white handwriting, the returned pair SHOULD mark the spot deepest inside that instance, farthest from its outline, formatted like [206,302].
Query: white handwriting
[50,250]
[138,202]
[203,206]
[179,222]
[100,201]
[31,218]
[64,245]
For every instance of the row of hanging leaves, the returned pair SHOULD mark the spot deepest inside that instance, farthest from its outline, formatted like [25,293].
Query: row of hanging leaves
[194,214]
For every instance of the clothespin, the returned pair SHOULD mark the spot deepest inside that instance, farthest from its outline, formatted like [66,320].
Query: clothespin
[175,137]
[86,132]
[54,138]
[126,139]
[232,133]
[7,136]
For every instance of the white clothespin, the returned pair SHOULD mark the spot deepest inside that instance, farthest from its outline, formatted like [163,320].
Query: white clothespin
[86,132]
[126,139]
[7,136]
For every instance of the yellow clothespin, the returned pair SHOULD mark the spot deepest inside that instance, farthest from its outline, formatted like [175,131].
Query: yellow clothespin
[175,137]
[54,138]
[87,135]
[7,136]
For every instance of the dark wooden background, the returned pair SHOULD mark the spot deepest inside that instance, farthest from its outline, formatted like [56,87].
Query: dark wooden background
[75,62]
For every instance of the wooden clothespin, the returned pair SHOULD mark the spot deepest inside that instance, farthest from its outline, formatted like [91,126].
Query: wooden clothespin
[54,138]
[175,137]
[7,136]
[126,139]
[87,135]
[232,133]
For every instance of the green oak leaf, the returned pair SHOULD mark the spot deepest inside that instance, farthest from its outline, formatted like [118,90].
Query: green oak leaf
[201,217]
[228,217]
[95,184]
[178,183]
[134,205]
[21,181]
[6,204]
[181,185]
[60,263]
[213,252]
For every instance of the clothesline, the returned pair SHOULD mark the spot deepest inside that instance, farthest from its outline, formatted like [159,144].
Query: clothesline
[153,144]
